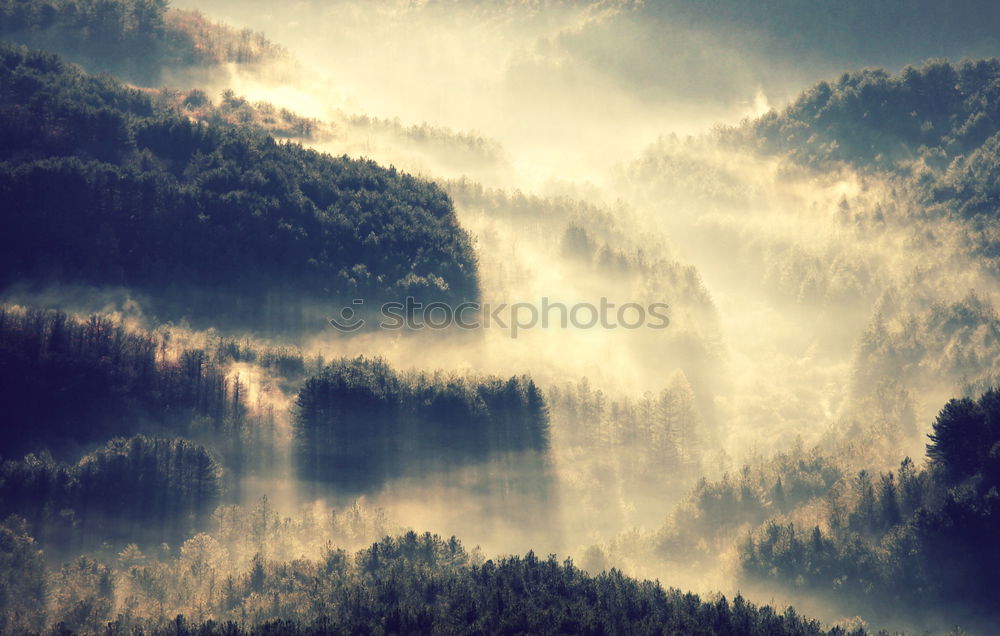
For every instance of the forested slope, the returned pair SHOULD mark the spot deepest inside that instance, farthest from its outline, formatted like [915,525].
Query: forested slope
[876,118]
[103,188]
[906,541]
[914,545]
[133,39]
[870,199]
[400,585]
[141,489]
[131,452]
[197,430]
[71,383]
[934,128]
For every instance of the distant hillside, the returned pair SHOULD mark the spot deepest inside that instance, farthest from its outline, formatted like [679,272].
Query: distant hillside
[133,39]
[219,224]
[872,118]
[933,132]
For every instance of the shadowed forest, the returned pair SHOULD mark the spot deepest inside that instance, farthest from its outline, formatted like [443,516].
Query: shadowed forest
[196,196]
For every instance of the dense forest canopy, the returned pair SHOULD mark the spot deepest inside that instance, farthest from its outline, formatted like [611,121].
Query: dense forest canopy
[936,113]
[105,189]
[934,127]
[70,383]
[359,424]
[910,538]
[133,39]
[131,490]
[406,584]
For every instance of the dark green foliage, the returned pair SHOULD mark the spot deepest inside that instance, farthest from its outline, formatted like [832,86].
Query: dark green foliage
[139,489]
[70,382]
[423,584]
[348,425]
[964,444]
[963,437]
[909,542]
[934,130]
[873,118]
[933,133]
[22,579]
[169,485]
[135,39]
[716,511]
[102,188]
[359,423]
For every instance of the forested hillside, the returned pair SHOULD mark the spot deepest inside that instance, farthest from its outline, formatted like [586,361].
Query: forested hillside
[133,39]
[70,383]
[935,112]
[904,541]
[406,584]
[933,128]
[886,545]
[359,425]
[103,188]
[864,211]
[140,489]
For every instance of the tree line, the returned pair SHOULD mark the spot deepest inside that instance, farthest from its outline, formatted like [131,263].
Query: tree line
[873,118]
[359,424]
[73,382]
[934,131]
[141,489]
[912,540]
[133,39]
[236,111]
[411,583]
[102,187]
